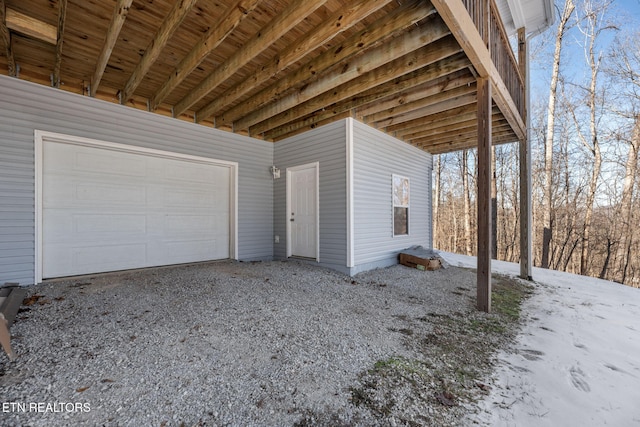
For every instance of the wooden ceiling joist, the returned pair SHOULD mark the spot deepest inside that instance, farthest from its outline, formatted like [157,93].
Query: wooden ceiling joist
[297,131]
[5,35]
[451,138]
[166,30]
[339,22]
[468,98]
[117,21]
[279,26]
[273,68]
[427,122]
[217,33]
[399,90]
[31,27]
[410,51]
[407,14]
[62,15]
[454,133]
[440,79]
[422,107]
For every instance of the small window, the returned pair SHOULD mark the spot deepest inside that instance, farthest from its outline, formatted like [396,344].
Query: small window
[400,205]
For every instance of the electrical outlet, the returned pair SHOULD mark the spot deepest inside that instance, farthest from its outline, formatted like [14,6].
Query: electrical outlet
[277,239]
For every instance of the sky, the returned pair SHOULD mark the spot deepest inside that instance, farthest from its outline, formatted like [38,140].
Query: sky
[625,13]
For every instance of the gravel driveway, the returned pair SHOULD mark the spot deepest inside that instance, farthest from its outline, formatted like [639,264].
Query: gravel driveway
[239,344]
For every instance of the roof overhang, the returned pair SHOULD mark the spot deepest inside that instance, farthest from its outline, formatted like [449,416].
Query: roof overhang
[534,15]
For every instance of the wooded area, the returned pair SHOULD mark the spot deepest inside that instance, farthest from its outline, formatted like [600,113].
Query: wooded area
[585,138]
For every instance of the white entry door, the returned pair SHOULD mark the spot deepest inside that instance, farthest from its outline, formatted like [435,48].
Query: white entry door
[302,215]
[107,208]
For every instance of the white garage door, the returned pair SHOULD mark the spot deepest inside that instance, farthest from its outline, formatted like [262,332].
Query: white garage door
[105,209]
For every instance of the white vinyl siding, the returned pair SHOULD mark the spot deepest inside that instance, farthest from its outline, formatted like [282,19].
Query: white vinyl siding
[325,145]
[376,158]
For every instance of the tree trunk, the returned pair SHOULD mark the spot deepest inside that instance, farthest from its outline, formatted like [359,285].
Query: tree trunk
[593,145]
[494,206]
[605,266]
[631,168]
[436,202]
[547,219]
[467,203]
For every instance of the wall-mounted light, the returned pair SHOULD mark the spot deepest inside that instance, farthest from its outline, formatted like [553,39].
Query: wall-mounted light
[275,172]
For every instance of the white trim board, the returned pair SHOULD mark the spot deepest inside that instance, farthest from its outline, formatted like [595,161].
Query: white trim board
[40,137]
[351,251]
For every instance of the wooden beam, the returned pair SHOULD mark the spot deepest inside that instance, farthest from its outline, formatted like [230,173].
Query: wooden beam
[398,19]
[462,27]
[447,104]
[340,21]
[378,76]
[403,54]
[399,90]
[448,99]
[427,122]
[297,11]
[526,250]
[455,123]
[117,21]
[170,24]
[25,24]
[434,127]
[438,82]
[484,195]
[6,39]
[468,143]
[216,34]
[297,131]
[62,16]
[450,138]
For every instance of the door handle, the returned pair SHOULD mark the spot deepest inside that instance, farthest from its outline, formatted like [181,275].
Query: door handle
[291,220]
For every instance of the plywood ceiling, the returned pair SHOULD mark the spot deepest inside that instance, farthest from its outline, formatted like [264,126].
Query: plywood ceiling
[266,68]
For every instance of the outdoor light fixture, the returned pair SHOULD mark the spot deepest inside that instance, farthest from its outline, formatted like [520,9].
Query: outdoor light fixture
[275,172]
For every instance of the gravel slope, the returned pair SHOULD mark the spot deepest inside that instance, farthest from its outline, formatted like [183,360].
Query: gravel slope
[230,343]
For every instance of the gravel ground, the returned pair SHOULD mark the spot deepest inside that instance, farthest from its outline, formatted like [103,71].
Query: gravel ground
[240,344]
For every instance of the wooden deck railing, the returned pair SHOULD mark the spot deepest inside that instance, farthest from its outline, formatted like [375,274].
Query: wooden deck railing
[491,29]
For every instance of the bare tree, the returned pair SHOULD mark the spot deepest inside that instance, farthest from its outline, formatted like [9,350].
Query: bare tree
[436,198]
[467,202]
[624,68]
[547,219]
[594,26]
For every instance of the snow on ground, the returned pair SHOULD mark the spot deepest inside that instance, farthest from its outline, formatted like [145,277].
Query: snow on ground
[576,361]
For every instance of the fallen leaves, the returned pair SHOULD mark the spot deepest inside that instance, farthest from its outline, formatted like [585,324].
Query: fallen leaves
[33,299]
[446,398]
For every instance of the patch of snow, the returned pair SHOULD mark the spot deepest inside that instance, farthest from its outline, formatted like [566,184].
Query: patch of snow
[576,360]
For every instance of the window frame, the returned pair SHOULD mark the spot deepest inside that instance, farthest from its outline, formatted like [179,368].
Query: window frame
[405,182]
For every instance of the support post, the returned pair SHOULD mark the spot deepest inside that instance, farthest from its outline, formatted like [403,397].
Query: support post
[526,269]
[484,194]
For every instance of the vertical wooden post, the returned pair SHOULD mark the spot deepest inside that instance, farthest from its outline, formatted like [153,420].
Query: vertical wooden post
[484,194]
[526,270]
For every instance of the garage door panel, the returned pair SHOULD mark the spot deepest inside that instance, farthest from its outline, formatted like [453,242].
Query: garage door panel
[61,258]
[193,251]
[194,173]
[110,163]
[74,159]
[98,219]
[175,197]
[58,190]
[66,225]
[109,223]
